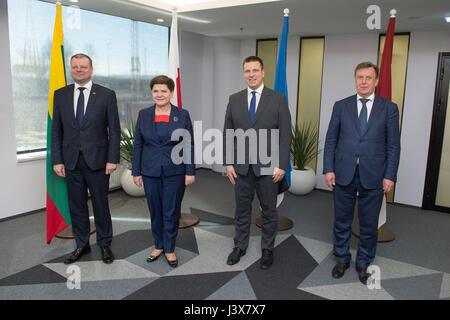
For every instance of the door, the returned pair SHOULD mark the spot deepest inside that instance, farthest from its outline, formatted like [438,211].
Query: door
[437,182]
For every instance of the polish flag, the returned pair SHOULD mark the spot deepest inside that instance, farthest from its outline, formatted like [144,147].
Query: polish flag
[174,61]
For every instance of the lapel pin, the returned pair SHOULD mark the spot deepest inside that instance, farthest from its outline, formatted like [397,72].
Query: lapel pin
[175,119]
[93,92]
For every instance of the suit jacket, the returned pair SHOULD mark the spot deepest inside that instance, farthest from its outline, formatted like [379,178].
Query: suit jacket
[99,136]
[150,154]
[272,113]
[378,148]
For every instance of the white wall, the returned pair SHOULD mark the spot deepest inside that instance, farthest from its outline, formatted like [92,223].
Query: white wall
[417,113]
[211,71]
[22,187]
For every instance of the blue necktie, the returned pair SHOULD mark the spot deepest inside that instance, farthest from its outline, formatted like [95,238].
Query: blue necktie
[363,116]
[252,109]
[80,107]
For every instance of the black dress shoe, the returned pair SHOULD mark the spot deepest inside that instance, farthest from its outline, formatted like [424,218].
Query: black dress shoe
[339,270]
[153,258]
[267,259]
[172,263]
[107,255]
[77,254]
[235,256]
[363,275]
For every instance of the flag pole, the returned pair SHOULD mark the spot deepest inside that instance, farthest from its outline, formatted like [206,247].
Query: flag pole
[284,223]
[186,219]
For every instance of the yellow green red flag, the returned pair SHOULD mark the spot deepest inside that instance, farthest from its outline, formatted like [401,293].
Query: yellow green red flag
[58,214]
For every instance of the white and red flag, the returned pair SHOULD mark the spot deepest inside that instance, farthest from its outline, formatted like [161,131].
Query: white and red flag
[174,62]
[384,88]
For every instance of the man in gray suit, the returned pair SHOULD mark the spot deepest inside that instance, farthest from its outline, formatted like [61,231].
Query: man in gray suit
[260,112]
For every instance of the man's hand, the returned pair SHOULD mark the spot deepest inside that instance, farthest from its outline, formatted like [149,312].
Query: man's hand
[110,168]
[387,185]
[138,181]
[59,170]
[330,180]
[231,174]
[278,175]
[189,180]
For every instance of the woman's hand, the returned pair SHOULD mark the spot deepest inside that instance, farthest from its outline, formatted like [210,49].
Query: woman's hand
[189,180]
[138,181]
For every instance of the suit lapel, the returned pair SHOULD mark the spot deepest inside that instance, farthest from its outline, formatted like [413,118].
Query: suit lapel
[263,102]
[375,113]
[70,104]
[353,111]
[91,102]
[152,122]
[173,122]
[243,107]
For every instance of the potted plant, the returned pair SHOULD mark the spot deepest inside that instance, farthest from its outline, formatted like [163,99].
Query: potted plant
[303,149]
[126,154]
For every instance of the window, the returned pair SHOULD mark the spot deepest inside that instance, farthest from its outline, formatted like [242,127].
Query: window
[126,55]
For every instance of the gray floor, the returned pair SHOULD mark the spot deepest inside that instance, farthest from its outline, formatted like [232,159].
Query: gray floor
[416,265]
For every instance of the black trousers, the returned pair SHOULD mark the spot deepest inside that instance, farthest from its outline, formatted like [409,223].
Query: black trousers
[266,191]
[78,181]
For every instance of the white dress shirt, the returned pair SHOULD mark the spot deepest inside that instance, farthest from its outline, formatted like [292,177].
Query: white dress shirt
[369,104]
[86,93]
[257,95]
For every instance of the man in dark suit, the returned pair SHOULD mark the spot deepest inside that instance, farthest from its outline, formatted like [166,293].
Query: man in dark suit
[85,150]
[361,155]
[258,112]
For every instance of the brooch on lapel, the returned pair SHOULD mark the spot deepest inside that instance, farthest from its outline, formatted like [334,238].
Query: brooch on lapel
[175,119]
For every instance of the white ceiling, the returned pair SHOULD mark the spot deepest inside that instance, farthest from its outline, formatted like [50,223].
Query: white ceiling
[264,20]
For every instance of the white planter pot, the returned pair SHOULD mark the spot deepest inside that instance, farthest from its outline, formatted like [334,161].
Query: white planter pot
[127,183]
[302,181]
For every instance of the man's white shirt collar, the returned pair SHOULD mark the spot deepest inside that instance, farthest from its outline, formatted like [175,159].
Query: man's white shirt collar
[259,90]
[88,86]
[371,97]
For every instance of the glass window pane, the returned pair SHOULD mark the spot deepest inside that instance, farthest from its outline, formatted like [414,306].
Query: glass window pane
[126,54]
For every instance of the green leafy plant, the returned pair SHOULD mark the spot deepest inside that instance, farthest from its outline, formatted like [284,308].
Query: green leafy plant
[303,146]
[127,144]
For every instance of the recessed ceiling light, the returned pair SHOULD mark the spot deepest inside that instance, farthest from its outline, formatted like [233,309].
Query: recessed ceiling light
[447,19]
[160,20]
[74,1]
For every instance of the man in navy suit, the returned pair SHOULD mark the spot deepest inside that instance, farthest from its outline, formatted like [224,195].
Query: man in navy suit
[361,156]
[86,150]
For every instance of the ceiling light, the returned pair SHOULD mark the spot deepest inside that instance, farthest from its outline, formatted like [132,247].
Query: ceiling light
[160,20]
[74,1]
[447,19]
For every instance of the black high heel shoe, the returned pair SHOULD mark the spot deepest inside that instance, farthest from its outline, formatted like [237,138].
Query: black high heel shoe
[154,258]
[172,263]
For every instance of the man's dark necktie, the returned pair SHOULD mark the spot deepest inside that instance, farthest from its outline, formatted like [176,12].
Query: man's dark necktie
[252,109]
[80,107]
[363,116]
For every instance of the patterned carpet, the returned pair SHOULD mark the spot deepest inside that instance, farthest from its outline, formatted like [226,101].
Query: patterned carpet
[301,271]
[414,266]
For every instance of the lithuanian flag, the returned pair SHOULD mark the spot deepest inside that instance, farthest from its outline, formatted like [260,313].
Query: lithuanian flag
[58,215]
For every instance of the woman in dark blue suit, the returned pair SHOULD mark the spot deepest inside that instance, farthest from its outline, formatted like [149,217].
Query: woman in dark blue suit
[154,167]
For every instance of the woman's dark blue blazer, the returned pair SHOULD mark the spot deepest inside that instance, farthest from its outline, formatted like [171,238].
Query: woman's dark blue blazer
[152,155]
